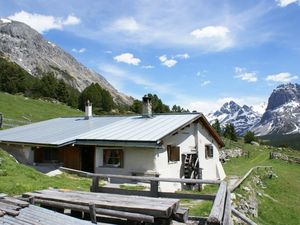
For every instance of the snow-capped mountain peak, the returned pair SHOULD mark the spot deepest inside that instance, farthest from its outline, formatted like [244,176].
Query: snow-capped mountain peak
[282,115]
[243,118]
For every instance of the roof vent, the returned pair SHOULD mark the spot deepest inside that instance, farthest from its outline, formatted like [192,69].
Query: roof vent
[147,107]
[88,110]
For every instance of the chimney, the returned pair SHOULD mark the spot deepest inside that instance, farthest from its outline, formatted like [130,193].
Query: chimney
[147,107]
[88,110]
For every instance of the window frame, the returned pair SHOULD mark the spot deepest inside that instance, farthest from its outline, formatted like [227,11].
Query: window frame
[209,151]
[173,153]
[120,157]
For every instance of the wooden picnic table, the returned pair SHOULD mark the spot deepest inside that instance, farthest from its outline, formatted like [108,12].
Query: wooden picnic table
[145,208]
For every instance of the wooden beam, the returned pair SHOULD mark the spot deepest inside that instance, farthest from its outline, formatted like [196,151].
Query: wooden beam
[242,217]
[181,215]
[92,209]
[227,220]
[153,188]
[138,178]
[107,212]
[217,211]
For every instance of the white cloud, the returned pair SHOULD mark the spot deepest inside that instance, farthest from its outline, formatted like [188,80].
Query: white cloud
[43,23]
[140,80]
[81,50]
[182,56]
[204,83]
[217,37]
[242,74]
[284,3]
[167,62]
[125,24]
[210,105]
[127,58]
[147,67]
[71,20]
[108,52]
[281,77]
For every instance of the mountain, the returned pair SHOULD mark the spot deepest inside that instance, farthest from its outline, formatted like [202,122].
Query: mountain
[26,47]
[243,118]
[282,115]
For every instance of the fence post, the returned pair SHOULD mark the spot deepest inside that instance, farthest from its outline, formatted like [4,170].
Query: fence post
[154,188]
[92,209]
[95,184]
[1,120]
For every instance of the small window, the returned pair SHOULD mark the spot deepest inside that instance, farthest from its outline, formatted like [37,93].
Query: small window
[209,151]
[113,158]
[173,153]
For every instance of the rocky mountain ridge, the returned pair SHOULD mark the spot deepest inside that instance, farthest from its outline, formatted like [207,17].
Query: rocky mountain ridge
[242,117]
[21,44]
[282,115]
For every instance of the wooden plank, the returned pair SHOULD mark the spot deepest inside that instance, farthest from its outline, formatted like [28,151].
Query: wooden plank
[186,196]
[216,214]
[114,198]
[2,213]
[242,217]
[160,194]
[9,206]
[138,178]
[151,206]
[108,212]
[238,183]
[227,220]
[136,200]
[92,210]
[10,211]
[181,215]
[153,188]
[14,201]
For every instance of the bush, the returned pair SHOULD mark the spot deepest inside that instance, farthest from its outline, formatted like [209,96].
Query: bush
[249,137]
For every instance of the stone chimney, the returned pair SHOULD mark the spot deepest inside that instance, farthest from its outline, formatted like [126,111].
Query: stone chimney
[88,110]
[147,107]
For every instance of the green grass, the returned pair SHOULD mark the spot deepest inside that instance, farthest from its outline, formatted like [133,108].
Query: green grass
[285,189]
[197,208]
[17,178]
[132,187]
[19,107]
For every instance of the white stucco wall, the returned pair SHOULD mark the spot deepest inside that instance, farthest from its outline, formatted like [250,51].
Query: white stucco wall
[23,154]
[212,167]
[139,160]
[193,138]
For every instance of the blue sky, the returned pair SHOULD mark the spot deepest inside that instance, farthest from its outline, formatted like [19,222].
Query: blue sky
[198,54]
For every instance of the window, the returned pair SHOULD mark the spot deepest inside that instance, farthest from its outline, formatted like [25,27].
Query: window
[209,151]
[173,153]
[113,158]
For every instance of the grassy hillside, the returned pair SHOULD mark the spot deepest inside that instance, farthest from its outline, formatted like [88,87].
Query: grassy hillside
[291,140]
[19,107]
[17,178]
[283,207]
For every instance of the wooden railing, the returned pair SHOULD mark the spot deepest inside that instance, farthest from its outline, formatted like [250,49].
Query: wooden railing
[221,209]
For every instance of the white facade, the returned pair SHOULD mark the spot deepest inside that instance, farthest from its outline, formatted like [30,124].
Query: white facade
[191,139]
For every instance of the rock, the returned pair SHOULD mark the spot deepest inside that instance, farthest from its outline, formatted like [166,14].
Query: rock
[233,196]
[26,47]
[224,155]
[246,189]
[255,143]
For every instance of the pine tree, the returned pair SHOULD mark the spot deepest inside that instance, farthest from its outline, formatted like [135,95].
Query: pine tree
[229,132]
[216,125]
[249,137]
